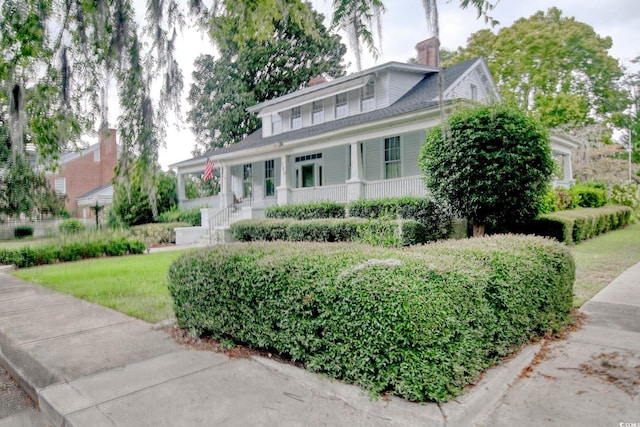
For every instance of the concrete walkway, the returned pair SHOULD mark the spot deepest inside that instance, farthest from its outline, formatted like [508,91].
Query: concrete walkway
[87,365]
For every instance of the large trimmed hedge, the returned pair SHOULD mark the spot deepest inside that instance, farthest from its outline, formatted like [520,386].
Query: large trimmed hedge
[435,218]
[28,256]
[576,225]
[419,323]
[371,231]
[303,211]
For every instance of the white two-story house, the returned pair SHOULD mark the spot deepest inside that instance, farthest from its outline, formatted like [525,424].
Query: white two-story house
[357,136]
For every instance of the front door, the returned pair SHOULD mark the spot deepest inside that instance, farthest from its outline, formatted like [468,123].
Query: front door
[308,178]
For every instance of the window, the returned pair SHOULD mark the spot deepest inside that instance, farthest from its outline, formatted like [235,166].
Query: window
[61,186]
[247,181]
[296,118]
[392,157]
[269,178]
[96,155]
[317,112]
[342,105]
[368,97]
[474,92]
[276,123]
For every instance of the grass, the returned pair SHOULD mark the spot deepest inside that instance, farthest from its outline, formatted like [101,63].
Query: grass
[602,259]
[135,285]
[27,241]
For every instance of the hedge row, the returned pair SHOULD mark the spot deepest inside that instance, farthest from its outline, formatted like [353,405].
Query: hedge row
[315,210]
[371,231]
[574,226]
[157,233]
[28,256]
[432,215]
[419,323]
[190,216]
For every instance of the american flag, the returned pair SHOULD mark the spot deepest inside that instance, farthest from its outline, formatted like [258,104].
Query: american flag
[208,171]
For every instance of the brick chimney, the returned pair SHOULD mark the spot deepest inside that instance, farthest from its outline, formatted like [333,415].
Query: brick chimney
[428,52]
[108,154]
[317,80]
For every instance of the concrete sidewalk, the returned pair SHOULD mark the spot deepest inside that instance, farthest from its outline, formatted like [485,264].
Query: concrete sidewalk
[590,379]
[87,365]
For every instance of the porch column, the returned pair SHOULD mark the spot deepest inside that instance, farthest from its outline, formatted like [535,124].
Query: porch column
[181,192]
[226,196]
[283,192]
[566,166]
[355,186]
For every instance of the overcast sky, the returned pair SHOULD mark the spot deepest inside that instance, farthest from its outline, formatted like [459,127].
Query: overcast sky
[404,26]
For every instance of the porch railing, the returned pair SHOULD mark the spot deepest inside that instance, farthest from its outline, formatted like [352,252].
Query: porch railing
[203,202]
[406,186]
[335,193]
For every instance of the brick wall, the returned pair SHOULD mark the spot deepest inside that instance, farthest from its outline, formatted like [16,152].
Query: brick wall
[93,168]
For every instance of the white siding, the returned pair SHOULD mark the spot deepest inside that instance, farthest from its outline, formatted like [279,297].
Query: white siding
[236,180]
[381,89]
[373,152]
[463,88]
[411,145]
[399,83]
[334,171]
[257,174]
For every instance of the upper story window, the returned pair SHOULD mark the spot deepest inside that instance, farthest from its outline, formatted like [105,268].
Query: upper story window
[317,112]
[392,168]
[474,92]
[276,123]
[296,118]
[342,105]
[60,186]
[368,97]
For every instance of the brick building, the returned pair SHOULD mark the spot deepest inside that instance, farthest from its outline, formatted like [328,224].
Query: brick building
[88,173]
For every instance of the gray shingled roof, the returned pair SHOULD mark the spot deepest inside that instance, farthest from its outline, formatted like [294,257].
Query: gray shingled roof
[421,96]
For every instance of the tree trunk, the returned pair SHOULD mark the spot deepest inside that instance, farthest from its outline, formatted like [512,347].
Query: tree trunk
[478,230]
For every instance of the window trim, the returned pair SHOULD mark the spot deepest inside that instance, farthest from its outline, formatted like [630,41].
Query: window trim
[387,162]
[320,118]
[344,104]
[276,124]
[269,166]
[368,97]
[295,116]
[63,184]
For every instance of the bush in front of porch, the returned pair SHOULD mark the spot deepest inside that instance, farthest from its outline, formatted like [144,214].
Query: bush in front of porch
[419,323]
[382,232]
[302,211]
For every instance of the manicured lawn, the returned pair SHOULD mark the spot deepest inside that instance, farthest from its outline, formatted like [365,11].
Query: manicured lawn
[135,285]
[602,259]
[27,241]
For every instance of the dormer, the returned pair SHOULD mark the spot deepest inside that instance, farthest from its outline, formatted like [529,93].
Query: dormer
[351,95]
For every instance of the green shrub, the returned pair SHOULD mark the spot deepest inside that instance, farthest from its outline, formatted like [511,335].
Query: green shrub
[189,216]
[117,247]
[371,231]
[627,195]
[71,226]
[588,196]
[574,226]
[420,323]
[434,217]
[22,231]
[316,210]
[157,233]
[71,250]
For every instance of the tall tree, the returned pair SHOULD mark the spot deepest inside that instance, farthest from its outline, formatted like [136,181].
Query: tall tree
[254,71]
[554,66]
[360,18]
